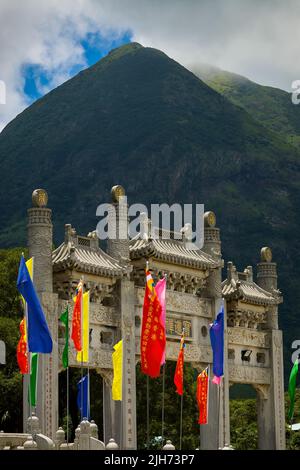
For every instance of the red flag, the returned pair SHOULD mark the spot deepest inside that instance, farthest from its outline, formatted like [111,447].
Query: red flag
[153,337]
[202,396]
[178,377]
[77,318]
[22,355]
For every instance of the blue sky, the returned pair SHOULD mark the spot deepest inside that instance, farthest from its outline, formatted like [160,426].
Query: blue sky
[95,47]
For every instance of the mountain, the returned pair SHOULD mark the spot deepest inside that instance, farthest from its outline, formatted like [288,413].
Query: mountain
[140,119]
[272,107]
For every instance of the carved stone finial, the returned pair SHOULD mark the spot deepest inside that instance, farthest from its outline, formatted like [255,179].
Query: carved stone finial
[168,446]
[30,444]
[117,192]
[60,436]
[39,198]
[210,219]
[266,254]
[94,429]
[112,445]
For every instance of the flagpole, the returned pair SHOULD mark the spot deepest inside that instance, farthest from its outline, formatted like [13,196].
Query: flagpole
[68,404]
[148,414]
[163,405]
[68,378]
[163,386]
[181,404]
[88,351]
[81,323]
[181,417]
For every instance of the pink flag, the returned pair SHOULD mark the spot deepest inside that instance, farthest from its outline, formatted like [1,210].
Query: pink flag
[217,380]
[161,294]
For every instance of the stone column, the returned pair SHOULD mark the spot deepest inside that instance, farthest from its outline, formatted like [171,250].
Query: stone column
[111,410]
[270,410]
[217,432]
[40,247]
[129,436]
[117,244]
[118,247]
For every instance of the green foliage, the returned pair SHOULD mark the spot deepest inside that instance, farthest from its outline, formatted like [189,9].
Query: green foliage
[243,424]
[10,304]
[190,429]
[270,106]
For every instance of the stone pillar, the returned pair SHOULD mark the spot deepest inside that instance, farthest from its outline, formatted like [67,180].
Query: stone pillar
[111,410]
[270,409]
[40,247]
[117,244]
[118,247]
[129,437]
[217,432]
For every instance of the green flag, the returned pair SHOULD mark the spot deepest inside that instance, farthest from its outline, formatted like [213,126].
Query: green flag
[32,388]
[64,318]
[292,389]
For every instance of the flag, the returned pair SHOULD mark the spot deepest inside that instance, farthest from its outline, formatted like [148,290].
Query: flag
[22,347]
[22,355]
[32,388]
[217,343]
[292,389]
[202,397]
[83,355]
[161,294]
[64,318]
[38,334]
[153,338]
[178,377]
[29,264]
[83,401]
[77,318]
[117,359]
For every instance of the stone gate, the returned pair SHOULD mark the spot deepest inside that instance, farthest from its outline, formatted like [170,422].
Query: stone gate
[116,279]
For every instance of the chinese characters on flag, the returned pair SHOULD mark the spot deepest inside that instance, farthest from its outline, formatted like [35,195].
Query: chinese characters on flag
[202,397]
[22,355]
[77,319]
[153,337]
[178,377]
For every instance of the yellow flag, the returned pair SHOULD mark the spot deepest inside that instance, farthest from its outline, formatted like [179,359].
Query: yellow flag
[29,265]
[117,358]
[83,355]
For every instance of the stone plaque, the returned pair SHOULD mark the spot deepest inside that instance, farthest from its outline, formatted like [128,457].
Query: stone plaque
[175,326]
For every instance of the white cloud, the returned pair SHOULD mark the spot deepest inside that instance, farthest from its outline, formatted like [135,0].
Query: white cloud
[256,38]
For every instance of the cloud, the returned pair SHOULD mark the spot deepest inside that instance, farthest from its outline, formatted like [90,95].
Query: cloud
[256,38]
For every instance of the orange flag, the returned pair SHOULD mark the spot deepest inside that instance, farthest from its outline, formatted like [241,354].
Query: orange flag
[202,396]
[77,319]
[178,377]
[153,337]
[22,356]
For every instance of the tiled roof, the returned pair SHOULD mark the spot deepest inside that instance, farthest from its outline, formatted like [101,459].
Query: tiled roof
[172,251]
[248,291]
[85,259]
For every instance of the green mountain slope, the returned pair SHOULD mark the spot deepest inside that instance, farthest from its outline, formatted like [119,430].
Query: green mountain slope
[140,119]
[272,107]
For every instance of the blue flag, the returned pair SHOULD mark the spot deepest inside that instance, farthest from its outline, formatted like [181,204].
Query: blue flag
[83,401]
[39,337]
[217,343]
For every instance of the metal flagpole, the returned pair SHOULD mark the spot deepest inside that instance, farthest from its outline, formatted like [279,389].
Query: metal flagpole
[163,405]
[181,417]
[88,348]
[68,404]
[81,322]
[163,389]
[68,378]
[148,414]
[181,404]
